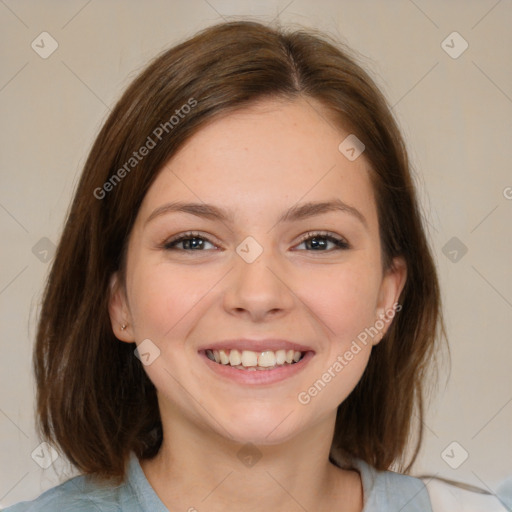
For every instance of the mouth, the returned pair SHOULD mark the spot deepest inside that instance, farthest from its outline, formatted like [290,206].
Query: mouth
[254,362]
[249,360]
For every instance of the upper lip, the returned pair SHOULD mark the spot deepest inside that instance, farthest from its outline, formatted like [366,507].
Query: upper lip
[256,345]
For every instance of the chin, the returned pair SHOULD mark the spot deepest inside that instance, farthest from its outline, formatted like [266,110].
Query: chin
[262,425]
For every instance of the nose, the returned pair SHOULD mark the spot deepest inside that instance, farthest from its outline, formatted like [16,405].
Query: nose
[258,290]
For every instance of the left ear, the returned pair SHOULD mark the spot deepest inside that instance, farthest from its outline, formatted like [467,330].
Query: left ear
[391,287]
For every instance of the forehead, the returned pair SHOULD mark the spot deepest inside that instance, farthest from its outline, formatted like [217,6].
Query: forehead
[264,158]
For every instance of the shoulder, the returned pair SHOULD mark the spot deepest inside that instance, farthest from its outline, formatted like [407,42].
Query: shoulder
[390,491]
[85,494]
[450,498]
[78,494]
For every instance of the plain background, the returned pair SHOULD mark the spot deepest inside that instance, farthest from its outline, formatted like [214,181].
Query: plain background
[455,114]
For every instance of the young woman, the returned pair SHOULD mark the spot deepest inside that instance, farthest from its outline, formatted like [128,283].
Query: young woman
[247,220]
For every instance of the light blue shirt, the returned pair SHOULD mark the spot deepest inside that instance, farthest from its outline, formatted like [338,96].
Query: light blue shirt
[383,491]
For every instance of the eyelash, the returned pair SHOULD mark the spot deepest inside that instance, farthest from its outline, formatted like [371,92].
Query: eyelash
[340,243]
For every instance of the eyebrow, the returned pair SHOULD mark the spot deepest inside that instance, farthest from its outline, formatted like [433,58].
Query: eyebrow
[293,214]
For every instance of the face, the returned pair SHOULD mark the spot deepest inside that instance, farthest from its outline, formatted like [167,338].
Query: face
[271,279]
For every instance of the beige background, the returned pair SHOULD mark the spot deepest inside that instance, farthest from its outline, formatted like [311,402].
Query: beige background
[456,115]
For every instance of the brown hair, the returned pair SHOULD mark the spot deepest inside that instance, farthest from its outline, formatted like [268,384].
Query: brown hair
[94,399]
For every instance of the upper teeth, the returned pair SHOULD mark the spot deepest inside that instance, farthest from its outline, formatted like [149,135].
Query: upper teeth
[248,358]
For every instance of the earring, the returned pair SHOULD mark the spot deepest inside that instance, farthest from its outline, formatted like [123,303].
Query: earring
[123,327]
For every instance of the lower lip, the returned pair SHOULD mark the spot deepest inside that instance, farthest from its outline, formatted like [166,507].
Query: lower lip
[257,377]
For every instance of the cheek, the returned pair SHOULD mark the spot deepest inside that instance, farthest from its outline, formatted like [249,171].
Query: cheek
[161,296]
[344,298]
[344,302]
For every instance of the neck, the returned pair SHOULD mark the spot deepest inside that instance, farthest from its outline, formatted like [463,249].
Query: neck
[202,470]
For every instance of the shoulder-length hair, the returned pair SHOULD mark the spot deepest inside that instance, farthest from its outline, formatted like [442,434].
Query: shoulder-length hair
[94,399]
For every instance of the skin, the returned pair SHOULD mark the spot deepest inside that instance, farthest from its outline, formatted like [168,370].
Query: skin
[257,163]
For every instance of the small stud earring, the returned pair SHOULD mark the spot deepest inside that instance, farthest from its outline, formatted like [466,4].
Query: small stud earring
[123,327]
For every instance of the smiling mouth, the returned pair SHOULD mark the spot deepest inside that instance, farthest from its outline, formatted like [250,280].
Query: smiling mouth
[251,361]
